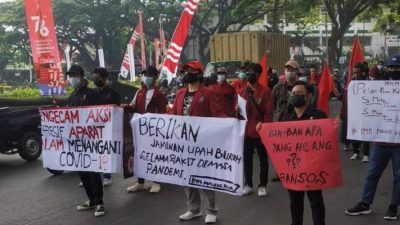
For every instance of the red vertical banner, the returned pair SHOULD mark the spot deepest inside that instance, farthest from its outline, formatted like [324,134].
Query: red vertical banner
[325,89]
[125,63]
[178,39]
[357,55]
[263,80]
[45,53]
[142,46]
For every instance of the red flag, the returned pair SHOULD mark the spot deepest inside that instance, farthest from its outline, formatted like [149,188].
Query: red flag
[142,47]
[357,56]
[325,89]
[263,80]
[125,63]
[45,53]
[178,39]
[157,52]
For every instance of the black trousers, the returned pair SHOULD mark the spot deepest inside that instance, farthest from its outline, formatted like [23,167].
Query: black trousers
[249,145]
[93,185]
[297,206]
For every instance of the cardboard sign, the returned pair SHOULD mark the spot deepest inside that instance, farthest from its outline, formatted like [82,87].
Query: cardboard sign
[374,111]
[82,139]
[198,152]
[305,153]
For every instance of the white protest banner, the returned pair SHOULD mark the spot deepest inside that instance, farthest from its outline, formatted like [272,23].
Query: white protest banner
[374,111]
[86,138]
[200,152]
[242,107]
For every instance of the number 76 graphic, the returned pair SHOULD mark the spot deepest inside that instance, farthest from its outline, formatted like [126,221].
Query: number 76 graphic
[40,25]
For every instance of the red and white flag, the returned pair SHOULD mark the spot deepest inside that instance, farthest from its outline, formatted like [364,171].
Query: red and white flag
[125,63]
[45,53]
[178,40]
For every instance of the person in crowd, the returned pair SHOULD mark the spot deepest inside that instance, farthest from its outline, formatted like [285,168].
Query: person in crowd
[272,78]
[304,75]
[337,79]
[84,96]
[281,92]
[260,108]
[381,154]
[314,75]
[225,92]
[301,109]
[242,81]
[107,96]
[197,100]
[148,99]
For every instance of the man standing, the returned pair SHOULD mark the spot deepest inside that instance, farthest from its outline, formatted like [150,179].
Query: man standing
[242,81]
[380,155]
[107,96]
[197,100]
[84,96]
[260,108]
[305,76]
[225,93]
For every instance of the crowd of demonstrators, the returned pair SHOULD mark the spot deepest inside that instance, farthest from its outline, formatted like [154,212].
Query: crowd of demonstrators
[259,109]
[148,99]
[380,155]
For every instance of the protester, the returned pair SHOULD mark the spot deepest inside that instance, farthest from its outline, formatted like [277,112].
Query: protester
[225,92]
[272,78]
[314,75]
[304,75]
[197,100]
[337,79]
[260,108]
[148,99]
[92,182]
[242,81]
[381,154]
[107,96]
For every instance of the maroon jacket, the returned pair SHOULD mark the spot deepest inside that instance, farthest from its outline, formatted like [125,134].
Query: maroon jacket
[263,97]
[226,95]
[204,104]
[157,104]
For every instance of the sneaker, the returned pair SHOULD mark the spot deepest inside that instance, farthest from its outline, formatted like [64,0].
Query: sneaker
[210,218]
[85,206]
[107,182]
[135,188]
[190,215]
[346,148]
[354,156]
[155,188]
[247,190]
[359,209]
[99,211]
[365,159]
[392,213]
[262,191]
[80,184]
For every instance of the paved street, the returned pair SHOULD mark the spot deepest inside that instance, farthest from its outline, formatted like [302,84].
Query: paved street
[31,195]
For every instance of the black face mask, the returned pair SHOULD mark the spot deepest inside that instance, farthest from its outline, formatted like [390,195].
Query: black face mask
[394,75]
[297,100]
[251,77]
[191,77]
[98,83]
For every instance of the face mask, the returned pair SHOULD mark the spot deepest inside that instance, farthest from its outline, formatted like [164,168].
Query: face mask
[242,75]
[297,100]
[148,81]
[305,79]
[98,83]
[290,75]
[251,77]
[74,82]
[380,67]
[221,78]
[394,75]
[191,77]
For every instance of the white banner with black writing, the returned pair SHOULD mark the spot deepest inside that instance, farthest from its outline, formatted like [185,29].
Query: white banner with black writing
[199,152]
[374,111]
[82,138]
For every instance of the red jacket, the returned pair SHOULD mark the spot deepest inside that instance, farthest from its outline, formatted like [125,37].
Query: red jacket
[239,84]
[263,97]
[157,104]
[204,104]
[226,97]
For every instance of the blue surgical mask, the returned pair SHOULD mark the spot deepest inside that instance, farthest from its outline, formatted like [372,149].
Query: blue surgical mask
[148,81]
[74,82]
[242,75]
[221,78]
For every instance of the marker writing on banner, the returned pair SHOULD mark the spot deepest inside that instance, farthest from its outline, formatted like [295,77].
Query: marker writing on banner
[91,131]
[301,178]
[53,144]
[170,129]
[99,115]
[52,131]
[310,131]
[60,116]
[95,146]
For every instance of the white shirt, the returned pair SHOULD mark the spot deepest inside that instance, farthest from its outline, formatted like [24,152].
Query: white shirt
[149,95]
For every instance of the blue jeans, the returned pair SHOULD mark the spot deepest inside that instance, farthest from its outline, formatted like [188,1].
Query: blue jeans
[378,161]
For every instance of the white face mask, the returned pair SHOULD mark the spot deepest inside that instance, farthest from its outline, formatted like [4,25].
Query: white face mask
[305,79]
[74,82]
[221,78]
[290,75]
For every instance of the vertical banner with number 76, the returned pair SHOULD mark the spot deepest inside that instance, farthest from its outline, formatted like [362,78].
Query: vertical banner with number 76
[45,54]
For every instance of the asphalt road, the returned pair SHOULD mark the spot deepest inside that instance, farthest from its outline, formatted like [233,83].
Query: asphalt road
[31,195]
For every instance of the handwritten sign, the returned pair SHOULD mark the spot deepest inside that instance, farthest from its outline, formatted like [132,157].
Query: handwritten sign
[305,153]
[82,139]
[198,152]
[374,111]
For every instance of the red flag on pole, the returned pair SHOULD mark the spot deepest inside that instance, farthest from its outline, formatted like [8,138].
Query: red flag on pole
[178,39]
[325,89]
[125,63]
[45,53]
[157,52]
[142,46]
[357,56]
[263,80]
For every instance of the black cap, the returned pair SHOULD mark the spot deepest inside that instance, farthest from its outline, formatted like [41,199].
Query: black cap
[101,71]
[76,69]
